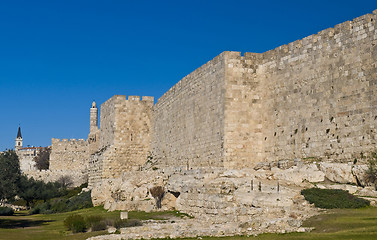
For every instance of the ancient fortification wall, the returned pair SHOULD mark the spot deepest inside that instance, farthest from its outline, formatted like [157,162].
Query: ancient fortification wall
[188,120]
[77,177]
[69,155]
[319,94]
[232,140]
[243,111]
[124,137]
[311,98]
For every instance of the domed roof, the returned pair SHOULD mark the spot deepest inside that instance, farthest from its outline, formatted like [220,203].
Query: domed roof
[94,105]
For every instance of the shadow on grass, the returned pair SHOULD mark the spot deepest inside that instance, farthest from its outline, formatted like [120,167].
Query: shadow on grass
[21,223]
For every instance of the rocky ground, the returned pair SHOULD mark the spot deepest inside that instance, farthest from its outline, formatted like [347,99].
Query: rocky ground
[228,202]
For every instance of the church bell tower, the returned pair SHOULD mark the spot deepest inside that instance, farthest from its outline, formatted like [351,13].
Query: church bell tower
[18,139]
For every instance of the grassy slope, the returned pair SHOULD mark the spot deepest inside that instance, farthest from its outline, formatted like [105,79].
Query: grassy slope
[335,224]
[47,227]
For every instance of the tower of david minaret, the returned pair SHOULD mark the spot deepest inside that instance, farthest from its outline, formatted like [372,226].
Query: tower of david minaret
[93,134]
[93,118]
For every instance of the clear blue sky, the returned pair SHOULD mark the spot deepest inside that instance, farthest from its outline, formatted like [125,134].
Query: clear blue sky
[57,56]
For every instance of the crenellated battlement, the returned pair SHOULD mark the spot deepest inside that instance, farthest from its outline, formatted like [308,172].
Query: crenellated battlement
[68,141]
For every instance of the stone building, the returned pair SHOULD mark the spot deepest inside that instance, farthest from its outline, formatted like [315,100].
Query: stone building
[68,158]
[26,155]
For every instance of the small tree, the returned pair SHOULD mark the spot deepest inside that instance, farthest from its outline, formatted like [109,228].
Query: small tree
[157,193]
[371,173]
[65,181]
[42,160]
[9,175]
[27,190]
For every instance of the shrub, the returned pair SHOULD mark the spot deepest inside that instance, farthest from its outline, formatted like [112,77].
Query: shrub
[96,223]
[19,202]
[59,205]
[122,223]
[6,211]
[98,226]
[80,201]
[65,181]
[93,219]
[75,223]
[333,198]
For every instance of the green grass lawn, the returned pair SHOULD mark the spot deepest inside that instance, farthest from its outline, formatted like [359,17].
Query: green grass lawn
[333,224]
[45,227]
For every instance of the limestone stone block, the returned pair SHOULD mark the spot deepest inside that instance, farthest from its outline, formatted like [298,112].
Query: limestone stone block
[123,215]
[338,172]
[298,175]
[359,172]
[168,202]
[368,191]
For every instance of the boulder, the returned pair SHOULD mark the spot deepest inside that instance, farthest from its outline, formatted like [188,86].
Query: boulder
[368,191]
[358,171]
[168,202]
[338,172]
[299,175]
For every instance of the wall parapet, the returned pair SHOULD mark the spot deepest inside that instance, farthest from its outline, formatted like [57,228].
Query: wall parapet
[348,28]
[80,141]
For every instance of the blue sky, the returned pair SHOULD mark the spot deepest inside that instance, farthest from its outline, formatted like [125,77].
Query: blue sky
[56,57]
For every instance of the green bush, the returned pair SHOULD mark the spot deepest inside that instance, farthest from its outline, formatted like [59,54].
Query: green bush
[96,222]
[122,223]
[6,211]
[19,202]
[98,226]
[75,223]
[59,205]
[80,201]
[333,198]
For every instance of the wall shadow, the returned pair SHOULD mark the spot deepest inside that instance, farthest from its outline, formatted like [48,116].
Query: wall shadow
[21,223]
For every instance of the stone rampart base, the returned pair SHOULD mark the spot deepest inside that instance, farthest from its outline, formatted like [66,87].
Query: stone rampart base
[77,177]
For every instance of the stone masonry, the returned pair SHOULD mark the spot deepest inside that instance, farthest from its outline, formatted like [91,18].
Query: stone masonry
[124,137]
[314,97]
[297,114]
[69,155]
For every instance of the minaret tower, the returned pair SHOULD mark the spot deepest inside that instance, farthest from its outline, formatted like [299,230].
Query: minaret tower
[93,134]
[93,118]
[18,139]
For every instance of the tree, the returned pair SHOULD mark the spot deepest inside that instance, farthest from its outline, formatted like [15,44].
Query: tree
[157,193]
[31,190]
[27,191]
[42,160]
[65,181]
[10,175]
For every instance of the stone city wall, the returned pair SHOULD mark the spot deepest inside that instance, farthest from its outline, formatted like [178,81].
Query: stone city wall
[124,137]
[69,155]
[188,120]
[319,94]
[314,97]
[77,177]
[243,111]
